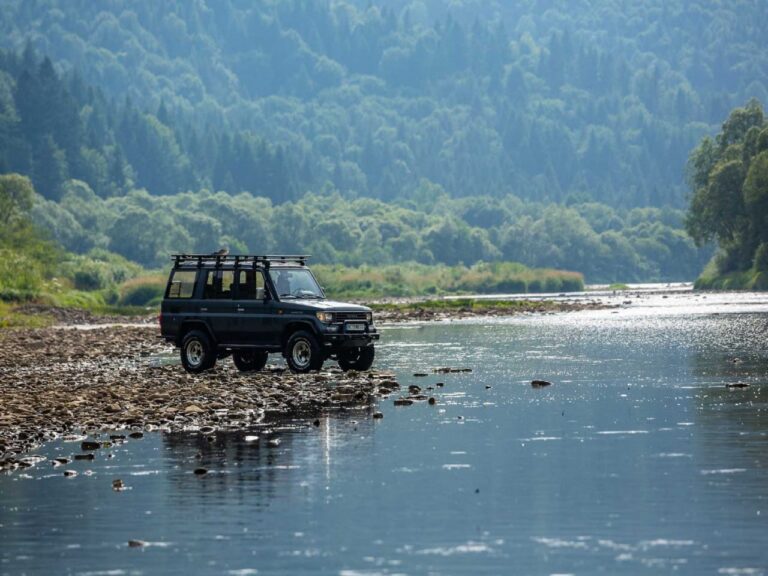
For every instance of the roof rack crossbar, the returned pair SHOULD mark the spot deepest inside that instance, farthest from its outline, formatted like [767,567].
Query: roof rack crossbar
[238,259]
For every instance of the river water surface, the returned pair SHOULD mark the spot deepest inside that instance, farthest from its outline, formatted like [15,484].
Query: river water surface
[636,460]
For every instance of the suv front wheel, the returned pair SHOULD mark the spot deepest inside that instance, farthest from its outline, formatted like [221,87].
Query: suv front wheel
[250,361]
[302,353]
[356,358]
[197,353]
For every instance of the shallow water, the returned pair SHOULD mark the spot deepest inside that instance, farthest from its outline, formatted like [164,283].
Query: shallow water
[637,460]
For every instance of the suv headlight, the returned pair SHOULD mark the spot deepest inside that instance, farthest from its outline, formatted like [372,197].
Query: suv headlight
[369,317]
[326,317]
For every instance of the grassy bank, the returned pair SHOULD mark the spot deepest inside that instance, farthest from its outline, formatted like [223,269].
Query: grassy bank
[747,280]
[755,278]
[412,279]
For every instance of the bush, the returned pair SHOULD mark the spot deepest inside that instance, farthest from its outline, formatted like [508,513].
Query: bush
[21,276]
[142,291]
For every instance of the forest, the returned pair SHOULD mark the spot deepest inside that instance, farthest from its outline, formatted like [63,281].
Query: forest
[554,134]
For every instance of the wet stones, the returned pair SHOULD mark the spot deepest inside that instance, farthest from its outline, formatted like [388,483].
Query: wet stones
[736,385]
[540,383]
[403,402]
[448,370]
[378,415]
[65,383]
[136,543]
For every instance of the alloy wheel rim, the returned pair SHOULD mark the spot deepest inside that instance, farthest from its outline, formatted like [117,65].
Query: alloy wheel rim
[195,353]
[301,353]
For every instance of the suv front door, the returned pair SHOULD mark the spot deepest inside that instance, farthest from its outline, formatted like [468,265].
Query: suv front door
[255,322]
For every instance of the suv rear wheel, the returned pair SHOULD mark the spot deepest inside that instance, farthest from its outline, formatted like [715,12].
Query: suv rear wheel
[356,358]
[302,353]
[197,353]
[250,361]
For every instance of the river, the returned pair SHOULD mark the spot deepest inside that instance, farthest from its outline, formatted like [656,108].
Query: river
[638,459]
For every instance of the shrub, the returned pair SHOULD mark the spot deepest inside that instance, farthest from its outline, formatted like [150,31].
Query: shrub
[20,275]
[142,291]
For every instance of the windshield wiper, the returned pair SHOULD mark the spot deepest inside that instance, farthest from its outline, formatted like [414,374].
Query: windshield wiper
[287,295]
[311,296]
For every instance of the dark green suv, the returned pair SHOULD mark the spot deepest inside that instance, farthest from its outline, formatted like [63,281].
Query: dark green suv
[249,306]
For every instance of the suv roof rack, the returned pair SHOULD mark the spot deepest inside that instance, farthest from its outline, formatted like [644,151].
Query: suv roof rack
[239,259]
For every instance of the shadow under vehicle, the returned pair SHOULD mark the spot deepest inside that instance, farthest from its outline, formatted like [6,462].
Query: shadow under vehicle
[250,306]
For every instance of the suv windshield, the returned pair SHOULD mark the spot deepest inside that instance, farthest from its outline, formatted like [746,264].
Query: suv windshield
[295,283]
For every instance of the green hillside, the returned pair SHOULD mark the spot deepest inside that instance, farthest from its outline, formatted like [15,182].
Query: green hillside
[554,134]
[545,100]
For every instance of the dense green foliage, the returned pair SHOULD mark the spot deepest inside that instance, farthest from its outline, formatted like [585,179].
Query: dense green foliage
[594,239]
[597,100]
[729,180]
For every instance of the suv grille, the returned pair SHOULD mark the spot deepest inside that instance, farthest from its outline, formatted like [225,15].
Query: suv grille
[342,316]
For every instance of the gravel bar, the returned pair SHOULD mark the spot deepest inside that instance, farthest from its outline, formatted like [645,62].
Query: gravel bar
[70,381]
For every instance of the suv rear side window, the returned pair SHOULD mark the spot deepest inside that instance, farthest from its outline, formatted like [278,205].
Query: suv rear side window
[250,285]
[182,284]
[219,284]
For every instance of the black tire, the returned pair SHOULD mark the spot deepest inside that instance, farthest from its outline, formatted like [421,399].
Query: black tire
[302,353]
[356,358]
[250,360]
[197,352]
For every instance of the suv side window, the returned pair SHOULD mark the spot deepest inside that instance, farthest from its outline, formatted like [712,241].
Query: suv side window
[250,285]
[219,284]
[182,284]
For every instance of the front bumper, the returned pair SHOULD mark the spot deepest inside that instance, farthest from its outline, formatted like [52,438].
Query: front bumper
[341,338]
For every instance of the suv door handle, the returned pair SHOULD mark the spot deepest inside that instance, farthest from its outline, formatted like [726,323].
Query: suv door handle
[203,309]
[240,309]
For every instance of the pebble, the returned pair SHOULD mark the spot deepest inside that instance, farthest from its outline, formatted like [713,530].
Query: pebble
[403,402]
[737,385]
[201,471]
[378,415]
[540,383]
[432,401]
[136,543]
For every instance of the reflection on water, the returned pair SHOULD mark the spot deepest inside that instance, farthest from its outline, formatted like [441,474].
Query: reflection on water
[637,460]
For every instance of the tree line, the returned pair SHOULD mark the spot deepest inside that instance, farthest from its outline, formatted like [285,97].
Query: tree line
[604,244]
[728,175]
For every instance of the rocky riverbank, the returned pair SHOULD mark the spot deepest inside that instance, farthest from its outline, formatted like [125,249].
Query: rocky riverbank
[74,381]
[398,311]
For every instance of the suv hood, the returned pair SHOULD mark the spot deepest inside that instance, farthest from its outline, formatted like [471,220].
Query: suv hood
[330,305]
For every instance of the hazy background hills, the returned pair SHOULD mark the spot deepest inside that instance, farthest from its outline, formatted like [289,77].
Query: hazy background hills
[552,133]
